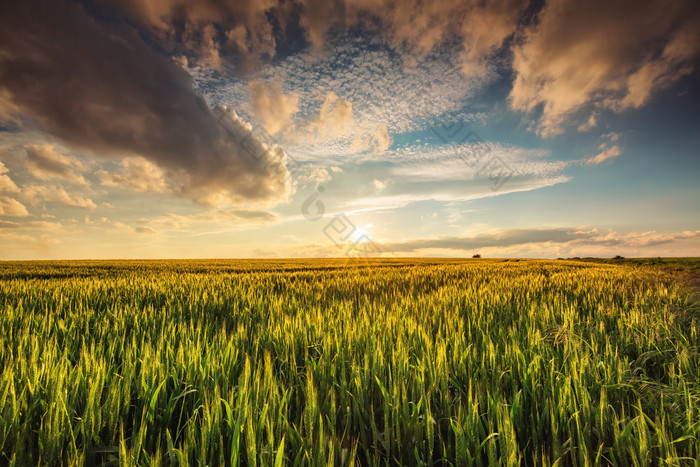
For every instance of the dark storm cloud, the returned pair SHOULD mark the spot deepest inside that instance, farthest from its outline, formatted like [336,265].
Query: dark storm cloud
[101,87]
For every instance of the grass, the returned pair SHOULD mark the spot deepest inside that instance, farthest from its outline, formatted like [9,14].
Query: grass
[321,362]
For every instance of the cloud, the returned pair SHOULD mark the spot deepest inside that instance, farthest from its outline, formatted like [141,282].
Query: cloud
[607,244]
[378,140]
[379,184]
[334,124]
[590,123]
[382,139]
[272,106]
[9,206]
[247,215]
[606,153]
[448,173]
[221,217]
[31,225]
[8,110]
[32,239]
[45,163]
[6,183]
[142,175]
[384,93]
[137,174]
[605,54]
[641,239]
[118,225]
[315,176]
[209,48]
[36,194]
[100,87]
[497,238]
[204,27]
[419,26]
[405,194]
[471,161]
[547,242]
[250,29]
[334,118]
[317,18]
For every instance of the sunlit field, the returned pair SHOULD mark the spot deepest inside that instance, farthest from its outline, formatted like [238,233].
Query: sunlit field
[325,362]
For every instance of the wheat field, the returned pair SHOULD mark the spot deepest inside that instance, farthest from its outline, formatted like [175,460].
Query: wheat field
[329,362]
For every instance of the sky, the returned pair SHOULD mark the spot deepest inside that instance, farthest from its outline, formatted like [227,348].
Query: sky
[349,128]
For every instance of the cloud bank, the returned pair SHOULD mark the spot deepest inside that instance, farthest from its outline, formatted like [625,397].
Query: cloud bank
[546,242]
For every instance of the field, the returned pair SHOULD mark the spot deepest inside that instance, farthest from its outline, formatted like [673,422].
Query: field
[318,362]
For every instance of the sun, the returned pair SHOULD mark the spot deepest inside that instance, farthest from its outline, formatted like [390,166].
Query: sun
[361,232]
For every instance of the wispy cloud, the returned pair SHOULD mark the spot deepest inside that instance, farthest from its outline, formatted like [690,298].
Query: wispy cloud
[446,162]
[421,192]
[207,222]
[605,154]
[31,225]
